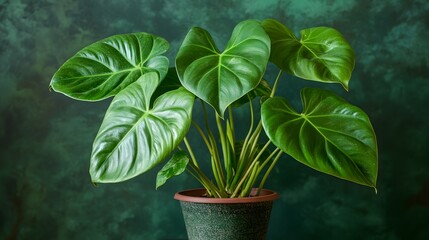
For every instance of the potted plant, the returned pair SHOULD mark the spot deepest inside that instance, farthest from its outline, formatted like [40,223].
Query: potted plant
[152,111]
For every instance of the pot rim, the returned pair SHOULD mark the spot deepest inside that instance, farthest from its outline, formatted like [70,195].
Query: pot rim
[196,196]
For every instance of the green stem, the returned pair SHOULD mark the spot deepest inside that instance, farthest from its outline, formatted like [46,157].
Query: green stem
[262,150]
[203,136]
[264,179]
[201,176]
[224,146]
[250,181]
[265,162]
[255,174]
[206,182]
[249,134]
[230,134]
[191,153]
[243,159]
[195,175]
[276,83]
[242,180]
[253,142]
[255,137]
[231,122]
[216,165]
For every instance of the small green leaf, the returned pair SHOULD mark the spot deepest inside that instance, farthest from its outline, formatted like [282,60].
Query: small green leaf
[220,78]
[322,54]
[134,137]
[174,167]
[331,135]
[104,68]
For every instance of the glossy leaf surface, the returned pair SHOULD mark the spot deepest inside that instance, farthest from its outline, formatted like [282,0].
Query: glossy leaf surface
[262,90]
[331,135]
[104,68]
[220,78]
[174,167]
[134,136]
[322,54]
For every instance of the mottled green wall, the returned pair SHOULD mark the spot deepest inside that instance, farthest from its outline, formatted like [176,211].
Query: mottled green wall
[45,138]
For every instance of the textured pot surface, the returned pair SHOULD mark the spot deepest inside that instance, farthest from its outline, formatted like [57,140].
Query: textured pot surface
[226,218]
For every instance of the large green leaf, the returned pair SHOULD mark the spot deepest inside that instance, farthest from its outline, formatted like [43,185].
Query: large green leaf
[134,136]
[174,167]
[322,54]
[104,68]
[331,135]
[220,78]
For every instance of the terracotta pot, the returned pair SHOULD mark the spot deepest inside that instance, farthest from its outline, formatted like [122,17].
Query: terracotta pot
[226,218]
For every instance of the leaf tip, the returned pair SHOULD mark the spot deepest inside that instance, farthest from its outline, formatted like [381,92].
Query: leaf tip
[345,84]
[159,181]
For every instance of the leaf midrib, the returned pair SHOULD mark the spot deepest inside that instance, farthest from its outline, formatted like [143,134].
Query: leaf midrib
[105,74]
[303,43]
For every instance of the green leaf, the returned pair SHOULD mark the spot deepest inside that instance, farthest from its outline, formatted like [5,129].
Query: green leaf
[331,135]
[262,90]
[322,54]
[174,167]
[104,68]
[220,78]
[170,82]
[134,137]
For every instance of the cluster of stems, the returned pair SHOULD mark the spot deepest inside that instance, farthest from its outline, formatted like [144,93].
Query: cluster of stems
[237,168]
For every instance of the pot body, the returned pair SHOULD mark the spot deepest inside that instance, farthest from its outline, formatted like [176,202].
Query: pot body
[225,218]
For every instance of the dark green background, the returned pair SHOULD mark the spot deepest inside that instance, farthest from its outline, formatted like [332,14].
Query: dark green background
[45,138]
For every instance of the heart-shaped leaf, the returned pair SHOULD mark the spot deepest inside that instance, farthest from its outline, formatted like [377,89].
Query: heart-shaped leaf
[220,78]
[331,135]
[134,136]
[322,54]
[174,167]
[104,68]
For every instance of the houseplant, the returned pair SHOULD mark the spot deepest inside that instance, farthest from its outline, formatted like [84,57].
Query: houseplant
[151,112]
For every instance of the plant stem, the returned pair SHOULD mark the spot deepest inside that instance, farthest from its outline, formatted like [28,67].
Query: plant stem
[243,150]
[191,153]
[243,179]
[244,155]
[203,136]
[252,144]
[195,175]
[276,83]
[264,179]
[206,182]
[230,137]
[231,122]
[216,164]
[224,146]
[269,157]
[202,178]
[250,181]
